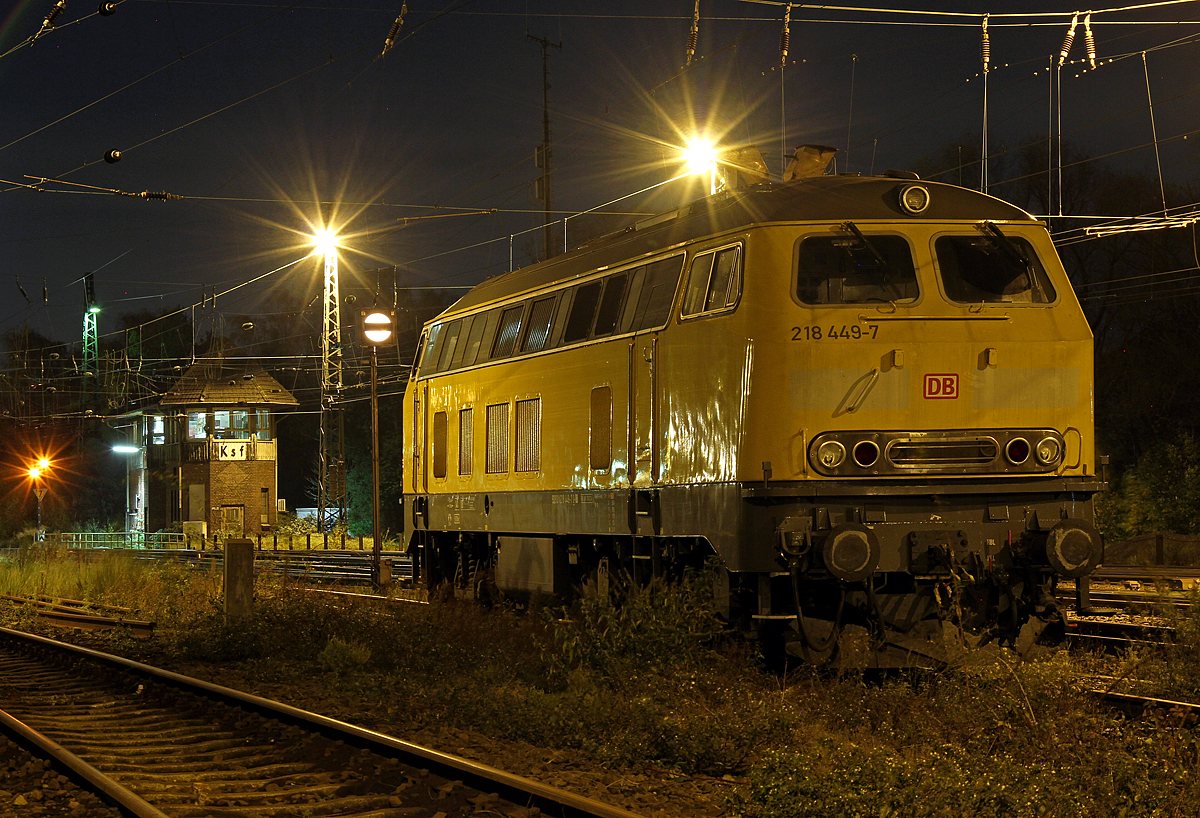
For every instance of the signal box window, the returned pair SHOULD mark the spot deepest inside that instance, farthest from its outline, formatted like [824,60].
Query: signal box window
[855,269]
[197,425]
[992,269]
[262,426]
[714,283]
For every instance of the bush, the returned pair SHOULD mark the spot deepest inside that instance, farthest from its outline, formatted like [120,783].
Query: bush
[643,629]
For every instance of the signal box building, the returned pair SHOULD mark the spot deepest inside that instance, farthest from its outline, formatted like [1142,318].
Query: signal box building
[209,455]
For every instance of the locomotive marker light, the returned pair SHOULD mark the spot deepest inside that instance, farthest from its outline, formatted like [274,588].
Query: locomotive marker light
[378,329]
[914,199]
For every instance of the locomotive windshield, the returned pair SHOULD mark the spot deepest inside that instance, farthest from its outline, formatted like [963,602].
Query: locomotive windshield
[992,269]
[855,269]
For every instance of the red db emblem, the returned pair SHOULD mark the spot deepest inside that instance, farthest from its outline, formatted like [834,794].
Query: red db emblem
[941,387]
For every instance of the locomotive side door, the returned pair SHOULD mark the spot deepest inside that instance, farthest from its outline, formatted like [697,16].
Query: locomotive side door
[644,437]
[420,478]
[643,411]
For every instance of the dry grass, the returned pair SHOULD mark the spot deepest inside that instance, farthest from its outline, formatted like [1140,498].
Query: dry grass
[644,685]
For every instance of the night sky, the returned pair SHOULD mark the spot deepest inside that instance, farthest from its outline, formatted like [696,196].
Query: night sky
[255,112]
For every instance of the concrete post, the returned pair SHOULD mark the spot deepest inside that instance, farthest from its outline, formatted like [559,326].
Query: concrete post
[385,574]
[239,577]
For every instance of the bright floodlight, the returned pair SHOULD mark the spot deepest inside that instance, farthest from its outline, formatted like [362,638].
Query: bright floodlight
[325,241]
[700,155]
[43,463]
[125,448]
[35,472]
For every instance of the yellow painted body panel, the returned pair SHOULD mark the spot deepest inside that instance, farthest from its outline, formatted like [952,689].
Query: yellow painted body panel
[712,399]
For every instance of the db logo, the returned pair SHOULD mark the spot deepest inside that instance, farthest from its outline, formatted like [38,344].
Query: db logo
[941,387]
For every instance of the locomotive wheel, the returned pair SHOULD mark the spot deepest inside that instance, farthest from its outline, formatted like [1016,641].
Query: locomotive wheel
[817,630]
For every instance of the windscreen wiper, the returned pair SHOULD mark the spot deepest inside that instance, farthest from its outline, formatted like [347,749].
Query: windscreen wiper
[852,228]
[1006,245]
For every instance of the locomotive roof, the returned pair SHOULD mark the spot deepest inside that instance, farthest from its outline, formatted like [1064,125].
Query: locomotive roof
[815,198]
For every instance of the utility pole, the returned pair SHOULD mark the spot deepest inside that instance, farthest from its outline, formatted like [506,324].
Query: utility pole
[331,488]
[544,187]
[90,310]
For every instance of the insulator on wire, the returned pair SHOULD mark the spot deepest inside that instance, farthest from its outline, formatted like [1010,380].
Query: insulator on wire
[48,23]
[396,26]
[106,9]
[58,9]
[985,47]
[1089,40]
[157,194]
[1068,40]
[694,34]
[785,37]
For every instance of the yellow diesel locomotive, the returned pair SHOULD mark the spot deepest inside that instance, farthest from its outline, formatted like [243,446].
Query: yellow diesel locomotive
[867,400]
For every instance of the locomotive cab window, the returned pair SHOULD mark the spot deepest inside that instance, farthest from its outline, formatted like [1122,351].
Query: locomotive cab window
[854,269]
[714,282]
[433,348]
[993,269]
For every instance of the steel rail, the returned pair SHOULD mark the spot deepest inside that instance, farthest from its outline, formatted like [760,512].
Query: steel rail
[117,795]
[1137,705]
[517,789]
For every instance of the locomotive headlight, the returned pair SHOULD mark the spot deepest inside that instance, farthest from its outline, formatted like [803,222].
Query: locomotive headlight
[1048,451]
[830,454]
[914,199]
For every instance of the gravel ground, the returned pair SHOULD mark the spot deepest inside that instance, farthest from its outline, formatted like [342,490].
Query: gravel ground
[31,787]
[650,792]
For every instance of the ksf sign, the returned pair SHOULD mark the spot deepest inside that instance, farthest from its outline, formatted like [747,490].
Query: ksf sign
[230,450]
[941,386]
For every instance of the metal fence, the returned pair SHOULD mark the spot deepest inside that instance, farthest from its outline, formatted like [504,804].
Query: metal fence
[272,541]
[117,539]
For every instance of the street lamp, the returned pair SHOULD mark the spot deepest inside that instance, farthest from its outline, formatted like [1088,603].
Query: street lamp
[378,329]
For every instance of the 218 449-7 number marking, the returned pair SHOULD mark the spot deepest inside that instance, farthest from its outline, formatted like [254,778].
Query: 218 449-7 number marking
[833,333]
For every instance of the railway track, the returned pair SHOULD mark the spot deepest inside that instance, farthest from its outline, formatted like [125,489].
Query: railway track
[160,744]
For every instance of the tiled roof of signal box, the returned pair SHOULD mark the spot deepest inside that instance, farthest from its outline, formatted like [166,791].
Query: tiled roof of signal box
[225,383]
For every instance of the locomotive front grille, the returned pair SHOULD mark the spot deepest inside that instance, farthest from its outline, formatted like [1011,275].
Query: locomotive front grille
[923,454]
[871,453]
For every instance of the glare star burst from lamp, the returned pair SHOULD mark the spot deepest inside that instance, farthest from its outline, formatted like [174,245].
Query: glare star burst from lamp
[701,157]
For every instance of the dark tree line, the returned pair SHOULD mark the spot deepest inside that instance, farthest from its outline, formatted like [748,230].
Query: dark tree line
[49,402]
